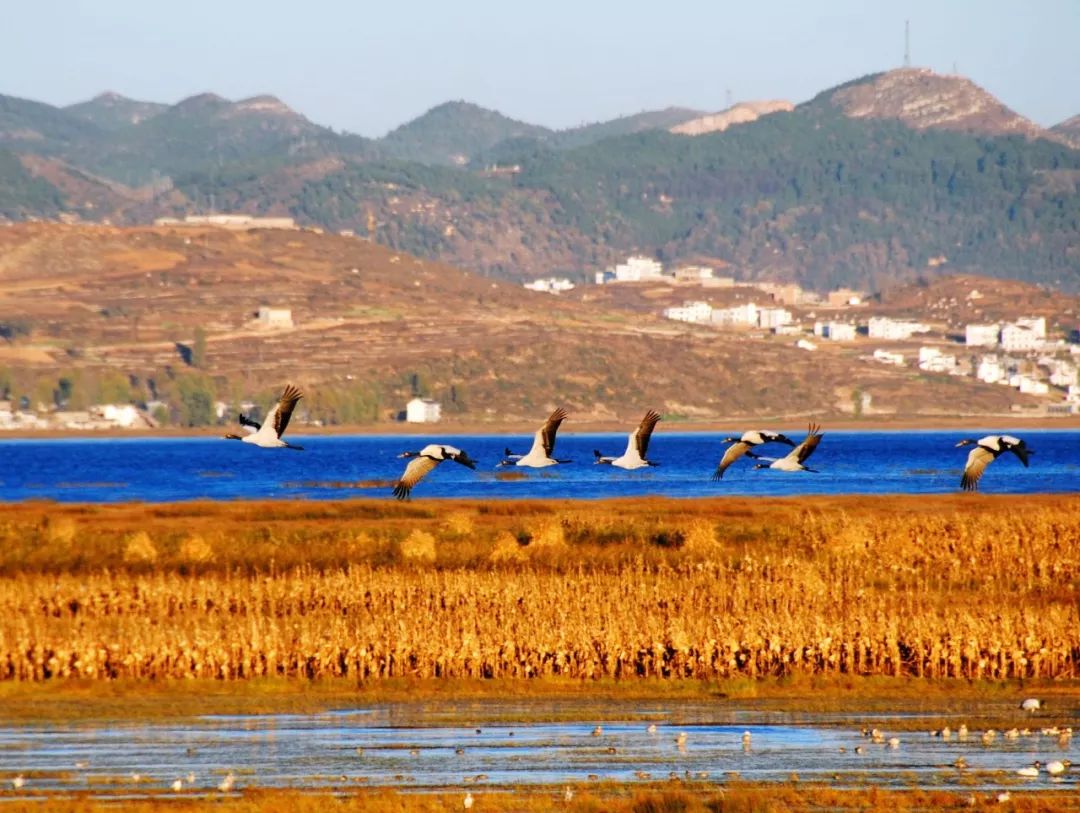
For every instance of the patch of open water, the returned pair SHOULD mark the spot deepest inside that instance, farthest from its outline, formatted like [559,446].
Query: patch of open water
[381,747]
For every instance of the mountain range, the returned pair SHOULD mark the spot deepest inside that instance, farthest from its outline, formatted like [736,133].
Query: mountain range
[870,182]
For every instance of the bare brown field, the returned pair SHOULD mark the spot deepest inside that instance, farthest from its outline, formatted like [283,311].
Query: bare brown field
[675,797]
[956,587]
[374,324]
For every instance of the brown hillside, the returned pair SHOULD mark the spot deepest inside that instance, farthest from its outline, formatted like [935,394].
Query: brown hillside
[93,300]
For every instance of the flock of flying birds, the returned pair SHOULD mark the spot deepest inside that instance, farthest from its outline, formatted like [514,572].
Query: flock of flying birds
[268,435]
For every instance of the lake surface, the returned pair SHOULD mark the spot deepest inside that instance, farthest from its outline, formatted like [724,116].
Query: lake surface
[381,746]
[340,467]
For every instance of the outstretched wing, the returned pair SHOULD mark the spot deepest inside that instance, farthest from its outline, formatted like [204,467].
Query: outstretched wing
[415,472]
[978,459]
[545,436]
[640,436]
[733,453]
[458,456]
[810,442]
[285,406]
[248,424]
[1022,451]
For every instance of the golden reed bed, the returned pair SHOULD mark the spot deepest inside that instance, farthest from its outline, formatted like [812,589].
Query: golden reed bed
[952,586]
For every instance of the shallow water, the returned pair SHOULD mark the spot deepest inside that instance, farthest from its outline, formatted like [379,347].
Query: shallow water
[381,746]
[340,467]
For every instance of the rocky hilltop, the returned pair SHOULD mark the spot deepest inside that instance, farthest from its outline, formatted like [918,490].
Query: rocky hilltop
[1069,130]
[741,113]
[923,99]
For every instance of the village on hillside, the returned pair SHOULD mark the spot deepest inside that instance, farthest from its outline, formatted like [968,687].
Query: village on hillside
[1017,352]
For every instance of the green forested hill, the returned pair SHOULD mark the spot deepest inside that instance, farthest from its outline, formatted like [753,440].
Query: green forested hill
[453,133]
[811,195]
[21,194]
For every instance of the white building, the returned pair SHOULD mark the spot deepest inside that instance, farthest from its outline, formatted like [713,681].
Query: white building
[1016,338]
[124,416]
[1036,324]
[1032,386]
[275,317]
[638,268]
[933,360]
[690,312]
[227,221]
[882,327]
[738,315]
[981,335]
[836,331]
[1062,373]
[551,285]
[772,318]
[990,370]
[423,410]
[889,357]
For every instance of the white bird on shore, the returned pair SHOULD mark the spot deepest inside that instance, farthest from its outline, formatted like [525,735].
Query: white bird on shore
[18,782]
[797,457]
[986,451]
[467,802]
[1056,767]
[268,433]
[539,455]
[637,445]
[1031,704]
[177,785]
[424,461]
[1031,771]
[742,446]
[227,783]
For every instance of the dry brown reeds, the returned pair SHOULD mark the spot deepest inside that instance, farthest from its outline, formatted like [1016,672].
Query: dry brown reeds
[982,588]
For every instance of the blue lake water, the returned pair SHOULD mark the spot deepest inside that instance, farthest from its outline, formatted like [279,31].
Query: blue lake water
[341,467]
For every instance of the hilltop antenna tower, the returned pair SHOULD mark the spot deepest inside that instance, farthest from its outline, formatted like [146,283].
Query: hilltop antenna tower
[907,43]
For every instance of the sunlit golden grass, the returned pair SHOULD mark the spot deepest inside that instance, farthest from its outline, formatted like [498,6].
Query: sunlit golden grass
[977,588]
[671,797]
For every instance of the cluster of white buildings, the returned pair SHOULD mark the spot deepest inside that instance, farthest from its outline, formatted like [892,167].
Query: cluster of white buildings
[646,269]
[745,315]
[100,416]
[1022,336]
[1014,366]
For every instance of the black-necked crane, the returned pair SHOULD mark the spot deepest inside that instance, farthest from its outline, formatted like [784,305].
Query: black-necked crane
[268,433]
[424,461]
[742,446]
[539,455]
[986,451]
[637,446]
[796,459]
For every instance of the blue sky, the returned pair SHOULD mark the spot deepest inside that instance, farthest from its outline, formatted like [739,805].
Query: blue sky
[369,66]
